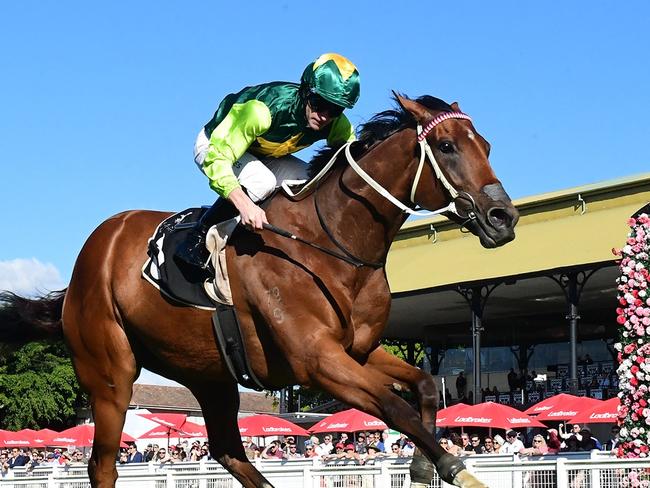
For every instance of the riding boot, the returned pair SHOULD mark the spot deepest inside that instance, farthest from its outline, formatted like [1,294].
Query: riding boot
[192,250]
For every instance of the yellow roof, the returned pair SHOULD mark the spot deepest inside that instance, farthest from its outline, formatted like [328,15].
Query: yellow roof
[555,230]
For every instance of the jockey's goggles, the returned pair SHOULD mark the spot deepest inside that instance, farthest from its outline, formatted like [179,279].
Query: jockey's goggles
[320,105]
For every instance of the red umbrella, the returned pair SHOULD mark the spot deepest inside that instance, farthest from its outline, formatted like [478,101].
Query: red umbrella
[446,414]
[602,413]
[490,414]
[190,429]
[81,436]
[170,422]
[351,420]
[21,438]
[263,425]
[561,407]
[173,421]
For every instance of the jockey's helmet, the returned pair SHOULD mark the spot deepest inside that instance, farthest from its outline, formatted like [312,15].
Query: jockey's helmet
[334,78]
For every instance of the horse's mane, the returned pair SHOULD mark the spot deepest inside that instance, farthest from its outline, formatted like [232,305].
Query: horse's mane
[378,128]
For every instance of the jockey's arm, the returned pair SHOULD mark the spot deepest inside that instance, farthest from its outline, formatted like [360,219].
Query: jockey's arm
[228,142]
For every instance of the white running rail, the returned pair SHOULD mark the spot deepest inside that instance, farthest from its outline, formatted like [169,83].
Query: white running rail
[581,471]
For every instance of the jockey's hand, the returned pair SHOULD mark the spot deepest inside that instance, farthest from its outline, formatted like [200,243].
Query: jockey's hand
[252,216]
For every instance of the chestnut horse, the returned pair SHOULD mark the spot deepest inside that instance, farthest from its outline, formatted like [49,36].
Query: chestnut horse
[307,317]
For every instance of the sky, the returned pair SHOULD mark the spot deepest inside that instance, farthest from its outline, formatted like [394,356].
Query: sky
[101,101]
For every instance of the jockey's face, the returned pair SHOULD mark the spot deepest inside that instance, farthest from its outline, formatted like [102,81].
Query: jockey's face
[319,112]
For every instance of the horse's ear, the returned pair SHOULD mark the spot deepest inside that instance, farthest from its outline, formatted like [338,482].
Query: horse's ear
[419,112]
[456,107]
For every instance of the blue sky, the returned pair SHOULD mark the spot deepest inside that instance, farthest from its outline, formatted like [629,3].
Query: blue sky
[101,102]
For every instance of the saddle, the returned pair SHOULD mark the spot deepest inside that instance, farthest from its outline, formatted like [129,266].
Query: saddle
[196,288]
[175,280]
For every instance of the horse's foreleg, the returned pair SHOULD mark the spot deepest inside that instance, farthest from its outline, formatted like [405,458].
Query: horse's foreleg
[399,374]
[220,403]
[366,388]
[106,369]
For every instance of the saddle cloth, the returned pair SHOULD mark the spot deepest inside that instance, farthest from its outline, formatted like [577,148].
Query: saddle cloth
[185,284]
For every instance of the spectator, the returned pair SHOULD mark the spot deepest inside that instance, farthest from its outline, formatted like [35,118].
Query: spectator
[395,450]
[385,440]
[456,444]
[408,449]
[538,448]
[373,454]
[133,455]
[50,460]
[4,466]
[77,459]
[17,458]
[292,451]
[513,445]
[195,452]
[162,457]
[310,450]
[488,445]
[464,437]
[512,380]
[325,447]
[379,443]
[553,443]
[343,439]
[611,444]
[250,449]
[273,451]
[575,430]
[587,441]
[495,391]
[339,452]
[572,444]
[476,447]
[461,384]
[360,444]
[498,442]
[351,455]
[148,453]
[444,443]
[155,449]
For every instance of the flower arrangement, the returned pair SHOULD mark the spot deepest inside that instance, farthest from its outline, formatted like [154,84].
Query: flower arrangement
[633,317]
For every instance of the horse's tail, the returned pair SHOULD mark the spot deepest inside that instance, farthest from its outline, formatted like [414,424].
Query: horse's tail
[23,320]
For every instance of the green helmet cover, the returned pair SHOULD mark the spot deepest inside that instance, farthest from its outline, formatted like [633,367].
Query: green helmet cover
[334,78]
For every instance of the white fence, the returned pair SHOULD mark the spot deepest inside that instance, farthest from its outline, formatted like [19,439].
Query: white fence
[573,471]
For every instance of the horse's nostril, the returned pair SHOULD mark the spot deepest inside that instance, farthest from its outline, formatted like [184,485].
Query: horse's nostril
[499,218]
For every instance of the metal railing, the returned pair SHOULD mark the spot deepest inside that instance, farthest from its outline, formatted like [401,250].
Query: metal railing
[572,471]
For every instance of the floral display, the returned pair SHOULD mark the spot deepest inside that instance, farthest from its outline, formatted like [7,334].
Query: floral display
[633,316]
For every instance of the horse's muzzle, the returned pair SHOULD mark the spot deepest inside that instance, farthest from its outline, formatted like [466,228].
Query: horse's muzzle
[496,216]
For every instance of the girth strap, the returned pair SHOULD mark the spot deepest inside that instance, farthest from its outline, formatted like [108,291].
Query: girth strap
[231,346]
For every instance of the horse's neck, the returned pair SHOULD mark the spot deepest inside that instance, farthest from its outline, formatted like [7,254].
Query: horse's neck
[358,216]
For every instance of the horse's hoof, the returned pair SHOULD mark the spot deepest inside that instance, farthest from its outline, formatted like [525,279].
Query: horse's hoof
[464,479]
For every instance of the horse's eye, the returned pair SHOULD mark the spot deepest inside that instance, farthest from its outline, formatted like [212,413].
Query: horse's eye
[446,147]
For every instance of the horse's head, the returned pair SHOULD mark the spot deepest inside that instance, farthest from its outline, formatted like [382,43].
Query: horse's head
[461,156]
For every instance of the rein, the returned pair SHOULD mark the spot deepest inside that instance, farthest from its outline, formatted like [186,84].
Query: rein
[425,153]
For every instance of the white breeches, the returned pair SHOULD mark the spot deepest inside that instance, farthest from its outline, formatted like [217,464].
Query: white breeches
[260,177]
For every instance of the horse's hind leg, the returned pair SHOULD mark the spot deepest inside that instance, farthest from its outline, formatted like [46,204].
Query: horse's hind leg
[400,374]
[106,369]
[220,403]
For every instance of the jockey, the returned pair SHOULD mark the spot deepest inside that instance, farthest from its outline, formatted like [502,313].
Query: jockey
[245,149]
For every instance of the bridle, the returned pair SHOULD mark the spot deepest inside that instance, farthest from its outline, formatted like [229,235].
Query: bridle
[425,154]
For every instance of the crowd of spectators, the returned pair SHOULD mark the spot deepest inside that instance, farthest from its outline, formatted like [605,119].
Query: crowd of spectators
[32,458]
[363,448]
[551,441]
